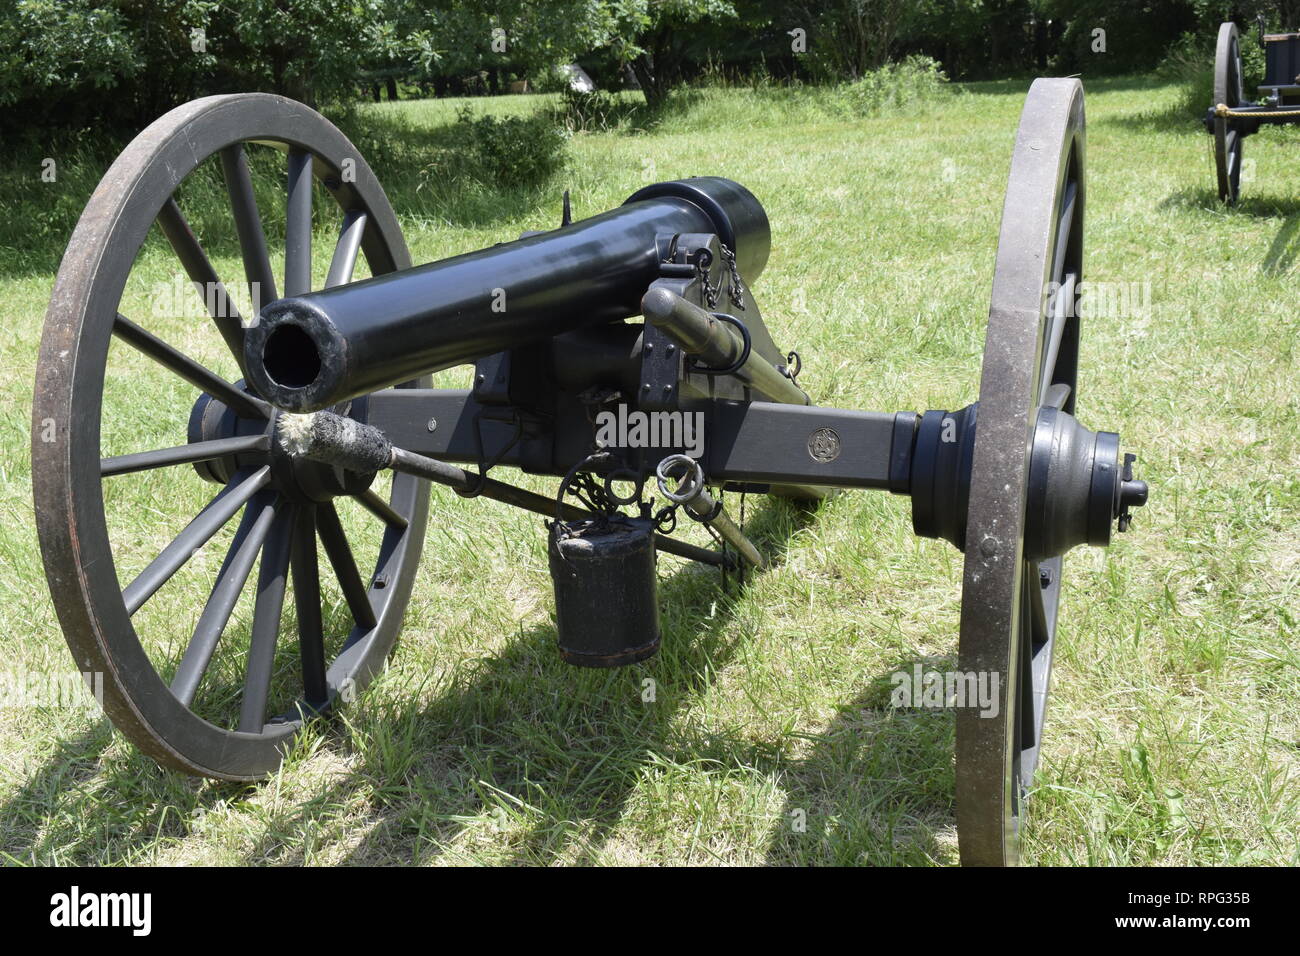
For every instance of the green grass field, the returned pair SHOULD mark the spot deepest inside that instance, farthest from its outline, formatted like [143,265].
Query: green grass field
[1173,730]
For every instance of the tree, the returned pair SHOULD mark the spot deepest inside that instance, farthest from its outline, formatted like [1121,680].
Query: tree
[123,63]
[853,37]
[655,37]
[309,50]
[453,39]
[80,61]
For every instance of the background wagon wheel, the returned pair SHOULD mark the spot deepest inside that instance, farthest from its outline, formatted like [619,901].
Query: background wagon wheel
[185,684]
[1227,133]
[1009,604]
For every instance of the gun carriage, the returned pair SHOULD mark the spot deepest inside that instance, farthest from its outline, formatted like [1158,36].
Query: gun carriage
[1231,117]
[647,308]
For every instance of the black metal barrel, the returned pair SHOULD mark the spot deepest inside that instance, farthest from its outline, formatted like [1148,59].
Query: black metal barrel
[311,351]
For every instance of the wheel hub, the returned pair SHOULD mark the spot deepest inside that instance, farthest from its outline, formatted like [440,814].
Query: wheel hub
[1079,486]
[297,478]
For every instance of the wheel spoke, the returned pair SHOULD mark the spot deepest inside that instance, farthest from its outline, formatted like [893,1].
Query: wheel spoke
[1031,621]
[297,232]
[380,508]
[306,595]
[345,566]
[248,225]
[1056,396]
[345,253]
[1064,226]
[196,534]
[253,527]
[195,262]
[271,580]
[200,377]
[1060,312]
[183,454]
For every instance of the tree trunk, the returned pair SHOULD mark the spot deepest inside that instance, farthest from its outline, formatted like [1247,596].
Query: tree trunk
[392,88]
[643,69]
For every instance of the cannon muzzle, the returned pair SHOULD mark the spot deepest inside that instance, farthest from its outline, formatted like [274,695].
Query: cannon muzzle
[311,351]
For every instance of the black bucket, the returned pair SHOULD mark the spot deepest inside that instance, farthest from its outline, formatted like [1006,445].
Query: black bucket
[606,610]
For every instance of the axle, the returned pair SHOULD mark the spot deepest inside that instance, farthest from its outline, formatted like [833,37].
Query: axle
[361,449]
[1080,486]
[311,351]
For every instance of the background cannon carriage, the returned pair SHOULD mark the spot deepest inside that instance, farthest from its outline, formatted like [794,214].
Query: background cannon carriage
[1231,117]
[1014,494]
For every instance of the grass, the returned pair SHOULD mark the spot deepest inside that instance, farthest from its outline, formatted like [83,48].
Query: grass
[1172,736]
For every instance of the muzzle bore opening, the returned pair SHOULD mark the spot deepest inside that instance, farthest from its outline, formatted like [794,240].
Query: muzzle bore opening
[290,357]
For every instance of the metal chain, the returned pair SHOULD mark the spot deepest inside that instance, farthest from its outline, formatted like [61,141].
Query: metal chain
[702,263]
[737,288]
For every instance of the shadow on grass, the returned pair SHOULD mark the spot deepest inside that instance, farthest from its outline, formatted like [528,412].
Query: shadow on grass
[1285,247]
[1019,85]
[1254,206]
[568,749]
[1176,118]
[580,758]
[523,729]
[22,815]
[77,807]
[874,788]
[74,809]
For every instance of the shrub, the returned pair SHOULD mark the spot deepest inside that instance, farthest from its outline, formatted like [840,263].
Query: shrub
[592,112]
[1190,61]
[914,79]
[511,150]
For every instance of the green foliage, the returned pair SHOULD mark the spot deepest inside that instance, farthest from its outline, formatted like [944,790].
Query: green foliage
[76,62]
[894,85]
[1190,61]
[658,37]
[849,38]
[119,64]
[310,50]
[1136,36]
[511,151]
[592,112]
[45,44]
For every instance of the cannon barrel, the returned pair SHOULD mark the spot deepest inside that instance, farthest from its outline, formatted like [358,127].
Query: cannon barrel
[311,351]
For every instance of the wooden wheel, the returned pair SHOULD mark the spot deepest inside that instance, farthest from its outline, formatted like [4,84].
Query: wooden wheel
[1009,603]
[1227,134]
[200,688]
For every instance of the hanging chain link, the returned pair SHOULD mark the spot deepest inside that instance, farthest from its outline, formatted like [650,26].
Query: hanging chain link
[737,287]
[702,263]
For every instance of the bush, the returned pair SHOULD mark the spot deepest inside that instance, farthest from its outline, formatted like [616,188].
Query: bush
[513,151]
[592,112]
[914,79]
[1190,61]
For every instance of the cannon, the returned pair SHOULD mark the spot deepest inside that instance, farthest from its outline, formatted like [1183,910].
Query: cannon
[623,354]
[1231,117]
